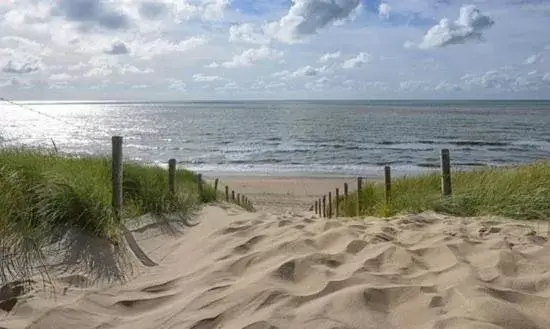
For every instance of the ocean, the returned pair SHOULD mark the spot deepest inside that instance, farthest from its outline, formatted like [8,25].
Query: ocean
[305,138]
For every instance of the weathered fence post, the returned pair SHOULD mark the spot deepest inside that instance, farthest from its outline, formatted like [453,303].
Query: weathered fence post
[232,195]
[337,203]
[227,193]
[387,180]
[346,198]
[316,207]
[216,187]
[172,176]
[117,175]
[324,206]
[329,204]
[359,190]
[446,186]
[238,198]
[320,207]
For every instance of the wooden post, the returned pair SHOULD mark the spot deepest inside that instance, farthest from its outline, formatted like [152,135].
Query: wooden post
[227,193]
[329,204]
[359,189]
[387,180]
[324,206]
[117,175]
[172,176]
[216,188]
[446,186]
[232,195]
[337,212]
[316,207]
[346,194]
[199,186]
[238,198]
[320,207]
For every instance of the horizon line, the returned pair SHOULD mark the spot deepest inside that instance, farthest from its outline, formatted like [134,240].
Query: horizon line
[280,100]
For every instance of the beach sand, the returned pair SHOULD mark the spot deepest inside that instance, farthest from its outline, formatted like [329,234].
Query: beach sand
[286,193]
[283,267]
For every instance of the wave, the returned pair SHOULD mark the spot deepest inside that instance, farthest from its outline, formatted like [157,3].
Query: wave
[442,142]
[479,143]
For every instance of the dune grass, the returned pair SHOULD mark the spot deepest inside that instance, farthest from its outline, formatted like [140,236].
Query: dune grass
[43,195]
[521,192]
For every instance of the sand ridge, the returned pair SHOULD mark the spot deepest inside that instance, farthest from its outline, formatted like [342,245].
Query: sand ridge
[294,270]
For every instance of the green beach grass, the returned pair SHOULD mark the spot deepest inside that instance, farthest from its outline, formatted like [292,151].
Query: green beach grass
[42,195]
[521,192]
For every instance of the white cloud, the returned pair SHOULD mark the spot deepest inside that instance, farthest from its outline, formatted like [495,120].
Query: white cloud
[318,84]
[329,56]
[446,86]
[507,79]
[469,25]
[157,39]
[412,85]
[357,61]
[384,10]
[247,33]
[250,56]
[206,78]
[61,77]
[98,72]
[127,68]
[230,86]
[149,49]
[177,84]
[268,87]
[76,67]
[305,71]
[214,9]
[25,45]
[60,85]
[15,83]
[307,17]
[533,59]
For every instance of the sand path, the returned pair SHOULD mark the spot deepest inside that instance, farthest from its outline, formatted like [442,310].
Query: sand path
[293,270]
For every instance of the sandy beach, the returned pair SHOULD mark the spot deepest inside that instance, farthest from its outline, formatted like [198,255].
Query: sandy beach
[285,193]
[283,267]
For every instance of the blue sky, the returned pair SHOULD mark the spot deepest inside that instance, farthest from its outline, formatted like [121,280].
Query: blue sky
[244,49]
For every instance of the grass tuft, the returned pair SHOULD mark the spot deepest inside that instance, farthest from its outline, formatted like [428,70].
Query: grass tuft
[43,195]
[519,193]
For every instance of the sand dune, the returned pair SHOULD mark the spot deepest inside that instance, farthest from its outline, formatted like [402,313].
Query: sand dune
[265,271]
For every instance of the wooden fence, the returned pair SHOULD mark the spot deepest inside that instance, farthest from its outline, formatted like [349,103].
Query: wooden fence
[118,178]
[323,206]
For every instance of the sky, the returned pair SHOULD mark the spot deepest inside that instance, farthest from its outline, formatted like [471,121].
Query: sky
[274,49]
